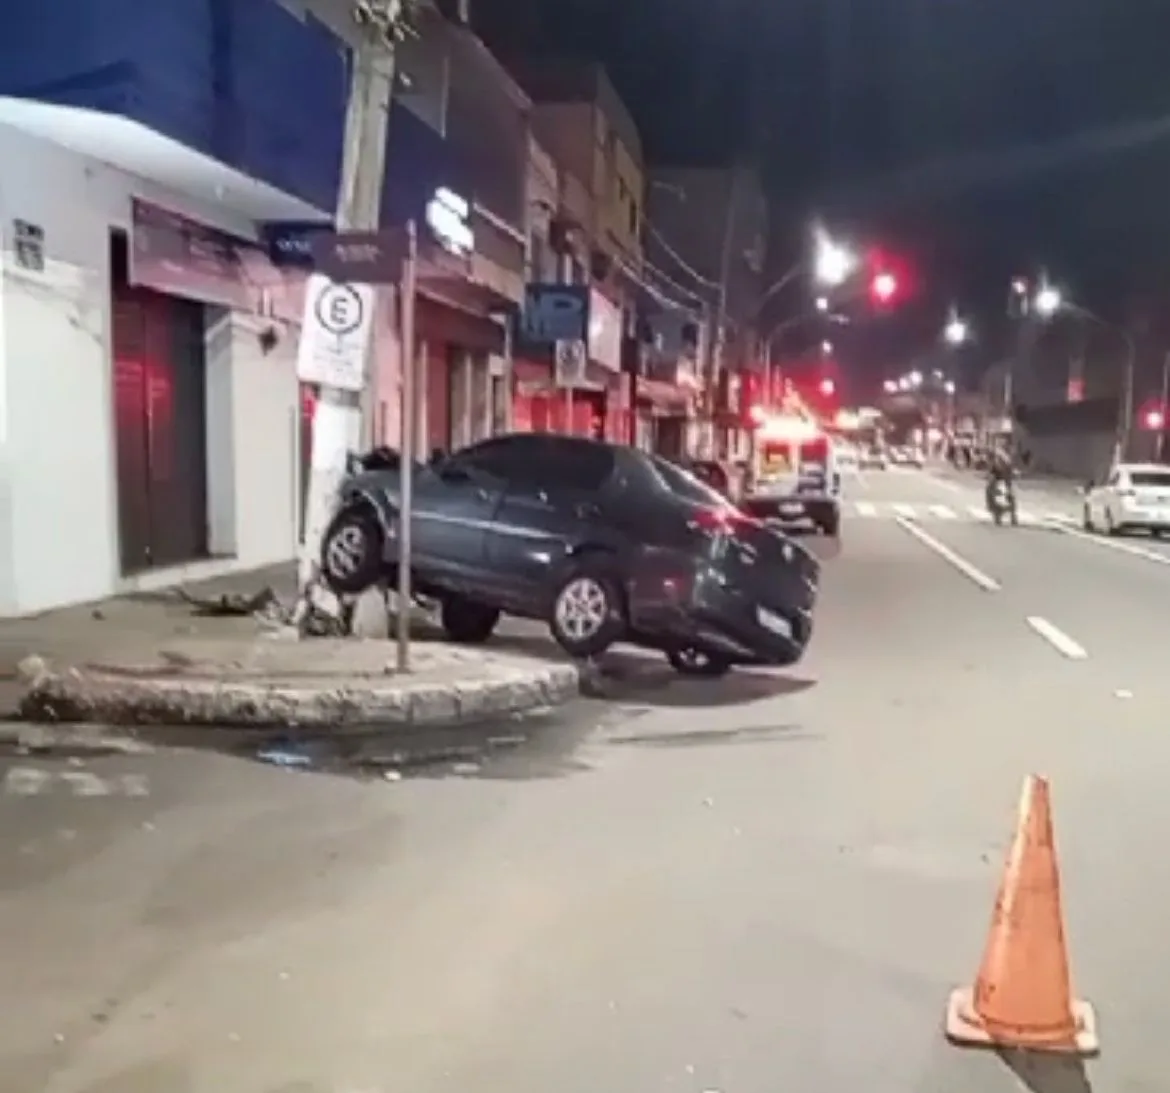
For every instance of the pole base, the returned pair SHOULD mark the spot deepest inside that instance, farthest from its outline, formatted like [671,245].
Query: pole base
[964,1027]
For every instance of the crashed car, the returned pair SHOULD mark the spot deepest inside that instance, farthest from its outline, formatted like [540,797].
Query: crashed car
[604,543]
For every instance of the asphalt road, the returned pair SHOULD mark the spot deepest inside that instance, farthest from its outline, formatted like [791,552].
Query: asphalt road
[771,882]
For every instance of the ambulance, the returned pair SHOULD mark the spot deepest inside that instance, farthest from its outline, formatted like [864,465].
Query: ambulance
[797,478]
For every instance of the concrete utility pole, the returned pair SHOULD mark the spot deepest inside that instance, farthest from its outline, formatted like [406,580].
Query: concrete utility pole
[717,320]
[341,419]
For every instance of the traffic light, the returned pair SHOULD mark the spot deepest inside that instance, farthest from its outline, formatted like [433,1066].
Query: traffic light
[883,288]
[1154,420]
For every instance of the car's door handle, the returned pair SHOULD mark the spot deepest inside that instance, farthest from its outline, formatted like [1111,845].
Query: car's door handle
[587,510]
[483,494]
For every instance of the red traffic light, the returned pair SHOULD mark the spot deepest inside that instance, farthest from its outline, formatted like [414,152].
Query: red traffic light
[1154,419]
[884,287]
[828,388]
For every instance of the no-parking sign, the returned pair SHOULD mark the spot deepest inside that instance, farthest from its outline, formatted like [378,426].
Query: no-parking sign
[336,332]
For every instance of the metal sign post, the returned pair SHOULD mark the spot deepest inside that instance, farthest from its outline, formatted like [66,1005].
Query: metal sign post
[408,414]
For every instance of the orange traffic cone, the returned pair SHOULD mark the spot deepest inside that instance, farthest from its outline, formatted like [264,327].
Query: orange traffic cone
[1022,997]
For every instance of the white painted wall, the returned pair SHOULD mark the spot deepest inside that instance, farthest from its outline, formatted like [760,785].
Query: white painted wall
[58,505]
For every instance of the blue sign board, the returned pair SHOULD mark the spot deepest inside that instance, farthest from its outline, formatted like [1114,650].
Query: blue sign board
[554,313]
[290,242]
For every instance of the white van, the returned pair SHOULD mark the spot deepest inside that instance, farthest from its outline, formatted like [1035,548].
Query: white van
[797,477]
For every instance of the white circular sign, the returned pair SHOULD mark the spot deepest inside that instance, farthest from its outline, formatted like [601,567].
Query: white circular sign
[339,309]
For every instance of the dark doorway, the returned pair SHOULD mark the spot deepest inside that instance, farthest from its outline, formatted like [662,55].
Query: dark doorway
[160,422]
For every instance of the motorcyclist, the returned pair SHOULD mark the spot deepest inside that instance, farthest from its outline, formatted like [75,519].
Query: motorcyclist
[1001,472]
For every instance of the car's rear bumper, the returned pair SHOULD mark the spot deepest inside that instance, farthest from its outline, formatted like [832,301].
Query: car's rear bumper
[711,613]
[791,510]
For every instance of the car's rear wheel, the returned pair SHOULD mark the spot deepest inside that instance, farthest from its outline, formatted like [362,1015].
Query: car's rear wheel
[1087,520]
[351,553]
[1110,527]
[586,617]
[466,622]
[690,661]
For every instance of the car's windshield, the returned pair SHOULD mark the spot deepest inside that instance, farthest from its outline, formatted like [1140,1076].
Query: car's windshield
[685,485]
[1161,479]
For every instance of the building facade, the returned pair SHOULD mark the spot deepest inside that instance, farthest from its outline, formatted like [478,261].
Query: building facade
[708,229]
[581,123]
[143,313]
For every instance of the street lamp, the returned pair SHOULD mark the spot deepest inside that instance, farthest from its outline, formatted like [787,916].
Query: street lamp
[822,304]
[890,387]
[826,348]
[956,332]
[833,263]
[1048,301]
[914,379]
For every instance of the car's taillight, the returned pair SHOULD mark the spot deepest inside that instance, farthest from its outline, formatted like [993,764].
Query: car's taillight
[719,521]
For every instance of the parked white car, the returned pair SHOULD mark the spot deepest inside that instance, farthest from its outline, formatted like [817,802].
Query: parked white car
[1133,496]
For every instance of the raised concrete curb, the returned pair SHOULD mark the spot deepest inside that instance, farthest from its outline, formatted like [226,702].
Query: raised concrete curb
[339,703]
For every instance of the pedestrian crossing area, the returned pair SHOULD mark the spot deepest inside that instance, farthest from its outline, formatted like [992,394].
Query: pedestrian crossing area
[922,512]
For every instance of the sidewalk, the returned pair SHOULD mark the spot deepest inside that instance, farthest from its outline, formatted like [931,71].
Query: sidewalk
[154,660]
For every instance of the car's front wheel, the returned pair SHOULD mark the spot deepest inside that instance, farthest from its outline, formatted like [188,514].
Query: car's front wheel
[696,662]
[466,622]
[586,617]
[351,554]
[1087,520]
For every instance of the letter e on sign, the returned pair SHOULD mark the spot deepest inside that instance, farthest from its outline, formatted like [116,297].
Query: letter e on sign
[336,332]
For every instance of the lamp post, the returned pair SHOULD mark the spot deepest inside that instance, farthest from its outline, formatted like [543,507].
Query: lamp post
[1049,302]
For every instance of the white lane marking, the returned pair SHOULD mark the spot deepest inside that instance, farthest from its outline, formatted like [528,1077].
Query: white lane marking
[943,512]
[26,782]
[906,512]
[977,512]
[1057,638]
[972,572]
[35,782]
[866,508]
[85,784]
[1113,544]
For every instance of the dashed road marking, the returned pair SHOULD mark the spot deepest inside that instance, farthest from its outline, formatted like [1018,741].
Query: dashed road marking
[904,511]
[26,781]
[943,512]
[1057,638]
[972,572]
[866,508]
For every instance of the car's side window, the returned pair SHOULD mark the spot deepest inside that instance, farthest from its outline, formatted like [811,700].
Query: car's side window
[507,459]
[580,467]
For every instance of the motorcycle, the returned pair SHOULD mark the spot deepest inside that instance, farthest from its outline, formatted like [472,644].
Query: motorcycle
[1001,502]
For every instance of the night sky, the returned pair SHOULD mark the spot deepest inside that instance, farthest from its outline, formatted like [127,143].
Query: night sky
[979,138]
